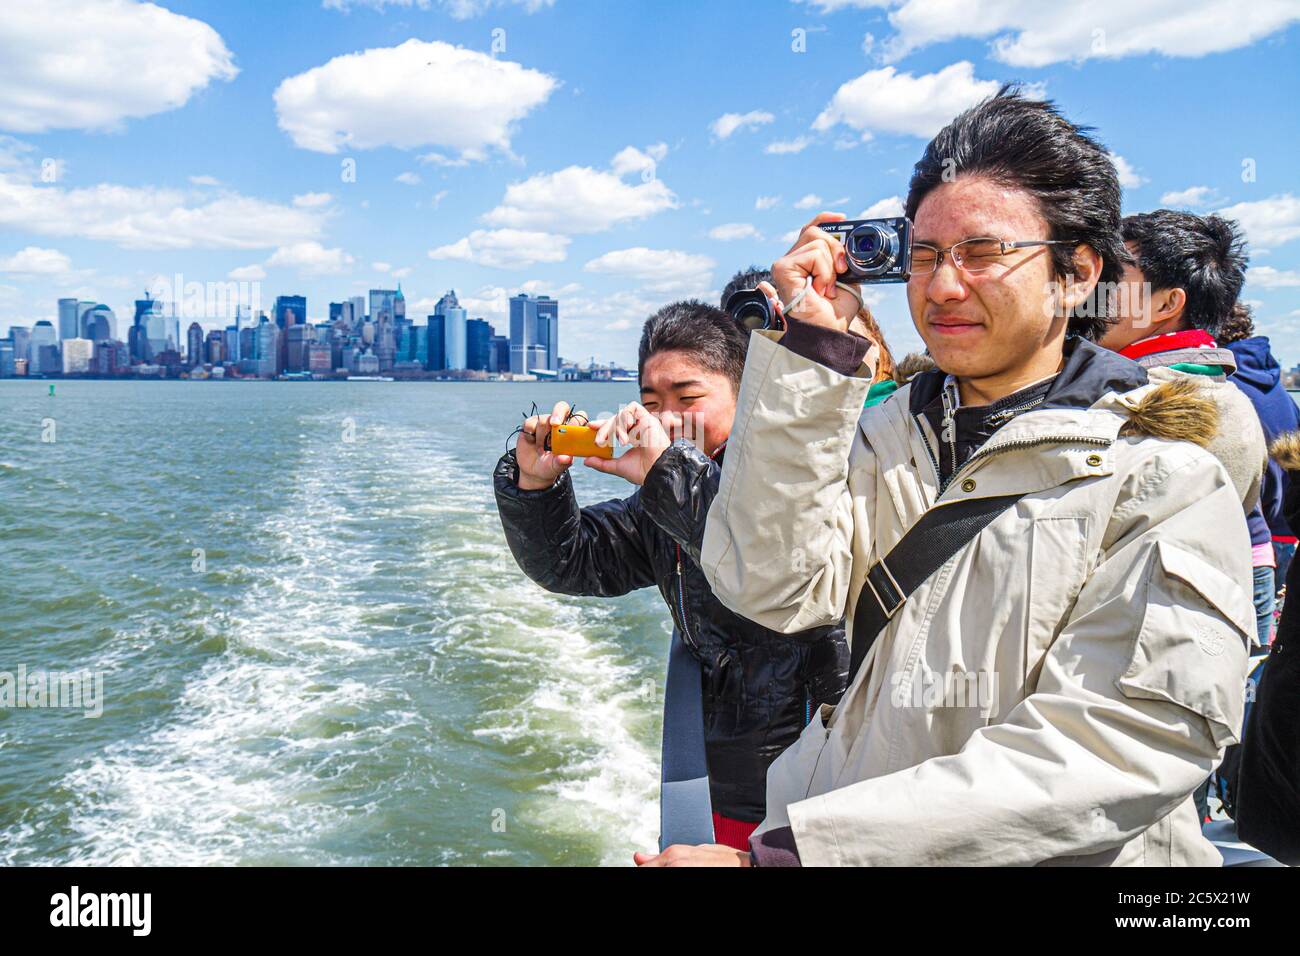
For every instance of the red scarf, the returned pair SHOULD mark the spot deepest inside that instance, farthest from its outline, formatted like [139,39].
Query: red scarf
[1186,339]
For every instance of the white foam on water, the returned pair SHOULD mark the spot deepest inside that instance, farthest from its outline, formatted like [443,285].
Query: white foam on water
[212,784]
[235,772]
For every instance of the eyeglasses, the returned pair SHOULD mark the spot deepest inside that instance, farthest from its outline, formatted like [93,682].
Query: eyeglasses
[970,255]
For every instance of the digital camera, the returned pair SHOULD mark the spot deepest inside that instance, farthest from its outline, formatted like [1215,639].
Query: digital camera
[750,310]
[878,250]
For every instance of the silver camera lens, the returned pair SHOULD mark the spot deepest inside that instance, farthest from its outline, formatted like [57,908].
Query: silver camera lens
[872,249]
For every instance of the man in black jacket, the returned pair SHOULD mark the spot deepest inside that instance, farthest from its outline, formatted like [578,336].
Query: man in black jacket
[759,686]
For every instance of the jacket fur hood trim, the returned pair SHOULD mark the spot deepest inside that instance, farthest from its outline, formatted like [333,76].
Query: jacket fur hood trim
[1286,450]
[1174,410]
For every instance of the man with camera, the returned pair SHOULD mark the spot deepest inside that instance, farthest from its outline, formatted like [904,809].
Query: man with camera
[1042,570]
[759,687]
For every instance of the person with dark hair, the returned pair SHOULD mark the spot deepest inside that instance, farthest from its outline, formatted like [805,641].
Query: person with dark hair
[758,686]
[1045,575]
[1259,376]
[743,281]
[1174,298]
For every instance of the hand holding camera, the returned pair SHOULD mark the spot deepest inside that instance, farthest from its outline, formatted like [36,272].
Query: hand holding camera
[540,466]
[832,251]
[643,431]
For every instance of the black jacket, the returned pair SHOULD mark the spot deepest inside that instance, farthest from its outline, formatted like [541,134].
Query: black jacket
[759,685]
[1266,788]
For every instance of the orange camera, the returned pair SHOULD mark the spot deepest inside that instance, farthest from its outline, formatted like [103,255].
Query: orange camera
[578,441]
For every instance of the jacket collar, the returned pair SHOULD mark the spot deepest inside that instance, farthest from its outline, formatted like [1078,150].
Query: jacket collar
[1089,372]
[1082,410]
[1225,358]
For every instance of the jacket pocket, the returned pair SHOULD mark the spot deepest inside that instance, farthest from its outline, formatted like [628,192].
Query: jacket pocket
[1191,650]
[1057,570]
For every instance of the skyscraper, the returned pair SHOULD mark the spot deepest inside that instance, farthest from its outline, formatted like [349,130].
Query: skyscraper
[77,355]
[43,338]
[437,357]
[266,345]
[478,345]
[21,336]
[500,354]
[194,345]
[148,329]
[453,330]
[69,318]
[534,333]
[97,323]
[290,310]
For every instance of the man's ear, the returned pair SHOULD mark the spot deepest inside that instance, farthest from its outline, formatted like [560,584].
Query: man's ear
[1173,306]
[1087,272]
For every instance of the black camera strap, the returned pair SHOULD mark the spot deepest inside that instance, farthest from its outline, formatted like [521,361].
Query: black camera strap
[926,546]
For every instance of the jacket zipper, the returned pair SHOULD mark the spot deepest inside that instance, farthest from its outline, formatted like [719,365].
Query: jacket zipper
[681,603]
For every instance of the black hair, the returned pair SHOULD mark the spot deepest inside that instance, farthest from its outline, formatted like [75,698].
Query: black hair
[1027,144]
[702,331]
[1203,255]
[743,281]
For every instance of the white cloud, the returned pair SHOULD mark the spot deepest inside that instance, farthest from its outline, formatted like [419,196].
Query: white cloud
[416,94]
[458,9]
[204,181]
[632,160]
[505,248]
[766,202]
[437,198]
[1193,197]
[311,259]
[887,208]
[662,270]
[92,64]
[1128,176]
[312,200]
[253,273]
[1029,33]
[889,101]
[728,123]
[812,201]
[1267,222]
[785,147]
[1266,277]
[408,178]
[493,301]
[148,217]
[35,261]
[387,269]
[731,231]
[579,199]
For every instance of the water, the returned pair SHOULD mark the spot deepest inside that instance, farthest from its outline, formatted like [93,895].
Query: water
[357,673]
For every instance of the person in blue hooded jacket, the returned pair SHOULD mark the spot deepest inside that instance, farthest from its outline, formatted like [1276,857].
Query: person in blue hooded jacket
[1260,376]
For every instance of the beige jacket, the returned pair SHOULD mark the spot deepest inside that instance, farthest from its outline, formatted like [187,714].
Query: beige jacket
[1056,691]
[1239,443]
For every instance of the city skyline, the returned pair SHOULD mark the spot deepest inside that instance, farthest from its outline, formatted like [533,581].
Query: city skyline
[497,147]
[363,336]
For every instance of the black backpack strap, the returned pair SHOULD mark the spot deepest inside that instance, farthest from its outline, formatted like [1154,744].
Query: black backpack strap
[926,546]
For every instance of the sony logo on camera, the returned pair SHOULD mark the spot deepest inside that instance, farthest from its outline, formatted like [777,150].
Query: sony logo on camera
[878,250]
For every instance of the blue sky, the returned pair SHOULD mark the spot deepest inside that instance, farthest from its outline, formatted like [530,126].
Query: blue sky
[616,155]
